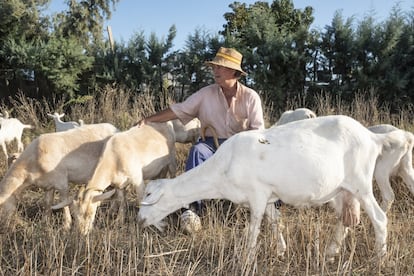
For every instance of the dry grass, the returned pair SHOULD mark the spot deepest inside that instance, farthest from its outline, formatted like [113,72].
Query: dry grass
[32,245]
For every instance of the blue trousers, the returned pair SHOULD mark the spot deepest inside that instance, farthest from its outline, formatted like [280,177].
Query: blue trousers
[200,152]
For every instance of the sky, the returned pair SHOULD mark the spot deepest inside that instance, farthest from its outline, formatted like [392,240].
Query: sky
[157,16]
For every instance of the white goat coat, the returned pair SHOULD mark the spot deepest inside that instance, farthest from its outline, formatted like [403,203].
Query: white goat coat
[295,115]
[53,160]
[61,125]
[11,130]
[303,163]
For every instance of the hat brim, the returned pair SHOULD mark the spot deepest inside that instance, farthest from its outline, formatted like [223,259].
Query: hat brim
[227,65]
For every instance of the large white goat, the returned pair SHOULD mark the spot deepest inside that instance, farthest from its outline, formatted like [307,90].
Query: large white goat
[61,125]
[129,157]
[11,130]
[303,163]
[295,115]
[395,161]
[53,160]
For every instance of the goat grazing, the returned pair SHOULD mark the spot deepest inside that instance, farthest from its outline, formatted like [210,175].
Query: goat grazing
[129,157]
[53,160]
[61,125]
[295,115]
[303,163]
[11,130]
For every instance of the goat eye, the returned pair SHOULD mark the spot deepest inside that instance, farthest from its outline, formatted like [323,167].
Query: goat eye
[148,194]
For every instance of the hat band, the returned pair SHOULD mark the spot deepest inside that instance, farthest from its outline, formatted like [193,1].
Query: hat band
[230,58]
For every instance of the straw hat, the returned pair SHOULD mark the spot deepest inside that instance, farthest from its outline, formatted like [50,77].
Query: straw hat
[228,57]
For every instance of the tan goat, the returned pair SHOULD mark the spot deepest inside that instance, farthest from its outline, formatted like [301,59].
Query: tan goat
[129,157]
[53,160]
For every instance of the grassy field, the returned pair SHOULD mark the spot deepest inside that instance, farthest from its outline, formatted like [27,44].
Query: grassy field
[31,244]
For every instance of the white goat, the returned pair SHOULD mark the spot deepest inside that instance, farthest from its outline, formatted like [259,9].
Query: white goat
[294,115]
[382,128]
[188,133]
[129,157]
[303,163]
[11,130]
[61,125]
[396,161]
[53,160]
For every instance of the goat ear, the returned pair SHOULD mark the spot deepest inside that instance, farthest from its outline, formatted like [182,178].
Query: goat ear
[62,204]
[103,196]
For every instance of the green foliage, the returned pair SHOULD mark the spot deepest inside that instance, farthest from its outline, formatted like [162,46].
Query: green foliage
[62,61]
[20,26]
[200,47]
[58,62]
[22,18]
[67,55]
[84,20]
[273,39]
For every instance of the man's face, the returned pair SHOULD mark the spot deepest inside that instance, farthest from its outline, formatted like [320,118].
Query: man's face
[222,73]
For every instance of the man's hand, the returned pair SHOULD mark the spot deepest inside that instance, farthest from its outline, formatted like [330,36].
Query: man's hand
[140,123]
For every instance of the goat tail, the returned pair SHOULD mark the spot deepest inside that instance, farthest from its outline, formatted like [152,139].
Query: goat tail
[213,131]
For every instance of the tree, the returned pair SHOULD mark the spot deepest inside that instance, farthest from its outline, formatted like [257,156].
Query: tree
[273,40]
[136,63]
[396,60]
[159,59]
[21,25]
[337,48]
[84,20]
[198,49]
[22,18]
[44,58]
[367,45]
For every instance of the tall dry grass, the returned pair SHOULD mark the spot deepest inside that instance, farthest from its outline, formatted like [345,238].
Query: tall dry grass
[33,245]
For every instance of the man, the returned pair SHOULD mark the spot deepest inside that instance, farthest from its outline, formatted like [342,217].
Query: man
[223,108]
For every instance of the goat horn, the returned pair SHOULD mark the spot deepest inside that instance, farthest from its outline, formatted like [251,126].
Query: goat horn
[213,131]
[103,196]
[148,203]
[62,204]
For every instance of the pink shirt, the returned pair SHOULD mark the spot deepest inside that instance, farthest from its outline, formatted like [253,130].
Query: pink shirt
[209,105]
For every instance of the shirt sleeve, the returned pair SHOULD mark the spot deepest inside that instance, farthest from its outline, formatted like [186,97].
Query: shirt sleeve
[256,113]
[188,109]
